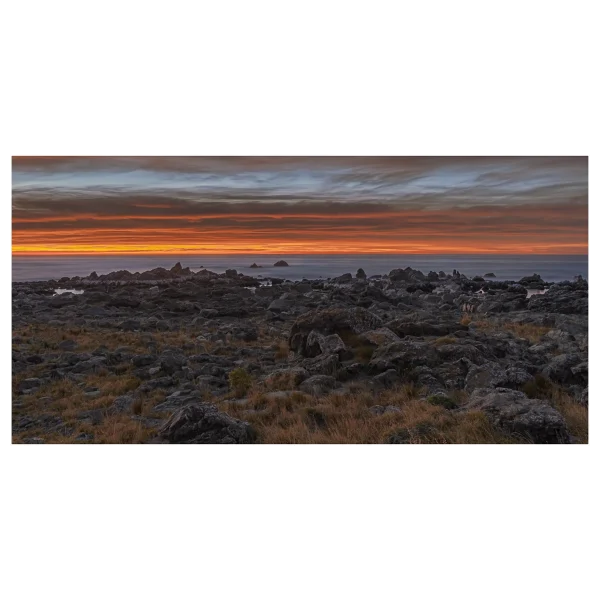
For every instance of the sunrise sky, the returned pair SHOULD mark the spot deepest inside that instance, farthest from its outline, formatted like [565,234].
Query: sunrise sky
[63,205]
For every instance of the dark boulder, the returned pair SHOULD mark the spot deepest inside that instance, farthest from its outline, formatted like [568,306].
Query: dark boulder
[517,415]
[204,424]
[343,321]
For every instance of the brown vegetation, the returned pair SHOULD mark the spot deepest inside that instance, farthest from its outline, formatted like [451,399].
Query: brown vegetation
[528,331]
[345,419]
[293,417]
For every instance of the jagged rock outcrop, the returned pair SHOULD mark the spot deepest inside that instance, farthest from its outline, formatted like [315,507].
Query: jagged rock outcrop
[204,424]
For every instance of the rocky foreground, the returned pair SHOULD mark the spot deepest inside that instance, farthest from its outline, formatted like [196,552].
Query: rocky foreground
[173,356]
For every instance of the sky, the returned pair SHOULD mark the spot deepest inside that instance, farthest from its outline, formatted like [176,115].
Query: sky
[299,205]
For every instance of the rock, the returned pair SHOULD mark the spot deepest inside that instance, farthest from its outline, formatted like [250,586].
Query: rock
[289,377]
[63,300]
[29,384]
[143,360]
[231,273]
[324,364]
[265,292]
[378,410]
[360,274]
[121,404]
[493,375]
[317,343]
[403,328]
[406,274]
[388,379]
[281,304]
[204,424]
[531,280]
[94,417]
[255,266]
[170,362]
[130,325]
[345,278]
[330,321]
[177,400]
[318,385]
[67,345]
[123,302]
[281,263]
[92,364]
[303,288]
[403,356]
[517,415]
[378,337]
[489,275]
[566,369]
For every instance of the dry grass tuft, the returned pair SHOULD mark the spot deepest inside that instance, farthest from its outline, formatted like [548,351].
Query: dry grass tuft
[137,406]
[282,351]
[574,413]
[466,319]
[344,418]
[121,429]
[529,331]
[442,341]
[363,353]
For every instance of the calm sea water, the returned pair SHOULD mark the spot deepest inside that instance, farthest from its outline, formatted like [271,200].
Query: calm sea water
[513,267]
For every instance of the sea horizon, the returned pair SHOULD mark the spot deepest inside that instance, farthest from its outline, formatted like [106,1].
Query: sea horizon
[551,267]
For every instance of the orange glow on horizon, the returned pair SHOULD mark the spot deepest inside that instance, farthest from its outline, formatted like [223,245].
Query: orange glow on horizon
[527,229]
[279,249]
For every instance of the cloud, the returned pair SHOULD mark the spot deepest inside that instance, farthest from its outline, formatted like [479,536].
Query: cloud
[302,204]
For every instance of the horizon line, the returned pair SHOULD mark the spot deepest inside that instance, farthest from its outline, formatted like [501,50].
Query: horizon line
[255,253]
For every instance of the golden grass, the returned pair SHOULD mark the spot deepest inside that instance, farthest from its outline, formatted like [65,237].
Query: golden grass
[120,429]
[442,341]
[66,399]
[574,413]
[529,331]
[341,418]
[466,319]
[346,419]
[282,351]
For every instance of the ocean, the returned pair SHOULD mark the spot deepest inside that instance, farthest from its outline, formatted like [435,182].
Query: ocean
[312,266]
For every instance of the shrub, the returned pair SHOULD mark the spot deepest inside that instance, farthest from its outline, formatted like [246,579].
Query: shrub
[442,400]
[282,351]
[137,405]
[538,387]
[240,381]
[364,353]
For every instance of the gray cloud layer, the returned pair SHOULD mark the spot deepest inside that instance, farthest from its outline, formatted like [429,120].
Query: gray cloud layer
[462,200]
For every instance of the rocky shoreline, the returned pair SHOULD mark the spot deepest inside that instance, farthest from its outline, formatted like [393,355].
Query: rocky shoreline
[175,356]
